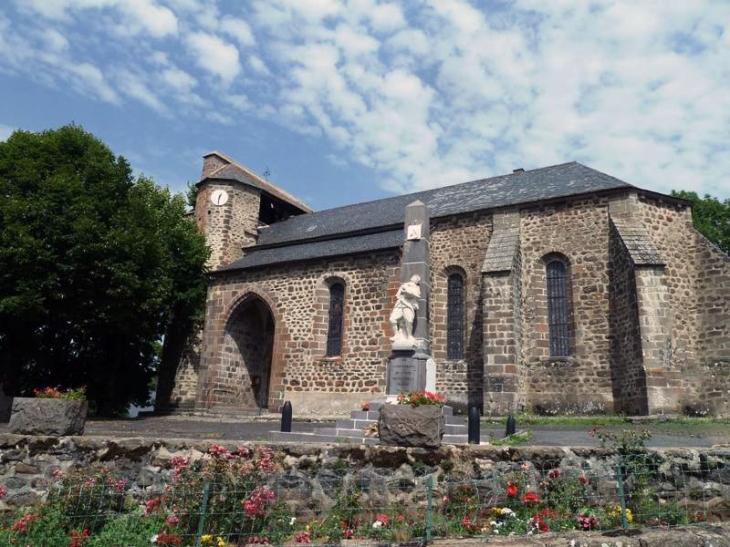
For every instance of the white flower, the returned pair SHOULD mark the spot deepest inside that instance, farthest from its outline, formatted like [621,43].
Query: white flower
[154,539]
[292,521]
[377,524]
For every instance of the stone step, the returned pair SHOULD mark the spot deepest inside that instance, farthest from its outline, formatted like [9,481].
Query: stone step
[454,439]
[354,424]
[332,435]
[337,432]
[283,437]
[455,429]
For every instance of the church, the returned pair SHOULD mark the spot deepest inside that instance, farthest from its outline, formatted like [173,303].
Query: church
[554,290]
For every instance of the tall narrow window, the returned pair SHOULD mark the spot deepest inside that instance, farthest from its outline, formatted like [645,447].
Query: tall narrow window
[455,317]
[558,312]
[334,331]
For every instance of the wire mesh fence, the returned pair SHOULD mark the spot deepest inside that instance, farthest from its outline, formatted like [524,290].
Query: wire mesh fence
[242,498]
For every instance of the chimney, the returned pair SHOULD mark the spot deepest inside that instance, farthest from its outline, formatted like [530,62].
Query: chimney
[211,162]
[518,171]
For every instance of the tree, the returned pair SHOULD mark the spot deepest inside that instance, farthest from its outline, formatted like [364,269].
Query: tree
[95,266]
[711,217]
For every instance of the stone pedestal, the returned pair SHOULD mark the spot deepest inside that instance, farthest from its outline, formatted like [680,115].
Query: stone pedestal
[406,373]
[406,425]
[56,417]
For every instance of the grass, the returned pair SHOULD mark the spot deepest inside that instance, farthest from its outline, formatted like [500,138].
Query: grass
[512,440]
[607,420]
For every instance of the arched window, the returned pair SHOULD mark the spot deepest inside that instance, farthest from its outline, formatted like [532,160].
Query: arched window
[558,308]
[455,317]
[334,330]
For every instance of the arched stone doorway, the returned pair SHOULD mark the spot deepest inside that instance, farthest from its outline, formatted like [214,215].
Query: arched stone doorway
[246,353]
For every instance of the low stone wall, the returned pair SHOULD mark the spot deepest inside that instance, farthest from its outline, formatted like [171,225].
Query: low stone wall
[700,480]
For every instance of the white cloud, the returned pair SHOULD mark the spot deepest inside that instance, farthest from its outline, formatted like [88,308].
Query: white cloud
[6,131]
[424,93]
[239,30]
[136,87]
[139,15]
[215,56]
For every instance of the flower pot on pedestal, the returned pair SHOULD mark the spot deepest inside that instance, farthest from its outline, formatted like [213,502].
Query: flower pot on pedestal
[54,417]
[407,425]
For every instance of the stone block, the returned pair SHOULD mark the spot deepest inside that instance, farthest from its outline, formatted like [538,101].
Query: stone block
[416,426]
[55,417]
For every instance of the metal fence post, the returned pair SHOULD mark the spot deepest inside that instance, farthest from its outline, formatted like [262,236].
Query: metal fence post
[622,494]
[429,507]
[203,510]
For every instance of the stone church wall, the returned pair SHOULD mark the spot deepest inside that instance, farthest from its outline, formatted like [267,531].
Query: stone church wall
[581,382]
[698,280]
[458,245]
[299,301]
[627,370]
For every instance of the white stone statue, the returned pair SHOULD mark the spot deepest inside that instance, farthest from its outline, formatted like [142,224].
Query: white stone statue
[404,311]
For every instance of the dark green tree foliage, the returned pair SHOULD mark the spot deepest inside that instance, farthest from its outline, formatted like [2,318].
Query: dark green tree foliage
[94,268]
[711,217]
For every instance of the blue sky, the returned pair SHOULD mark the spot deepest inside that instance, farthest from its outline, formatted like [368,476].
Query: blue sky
[350,100]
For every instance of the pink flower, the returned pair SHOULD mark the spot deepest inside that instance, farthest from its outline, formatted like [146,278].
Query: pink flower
[382,519]
[57,473]
[583,480]
[554,473]
[219,452]
[587,522]
[152,505]
[172,520]
[303,537]
[256,501]
[3,492]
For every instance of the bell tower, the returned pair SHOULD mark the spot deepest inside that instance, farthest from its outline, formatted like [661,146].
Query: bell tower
[233,203]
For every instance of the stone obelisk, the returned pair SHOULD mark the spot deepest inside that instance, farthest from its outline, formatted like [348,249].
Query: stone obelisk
[410,367]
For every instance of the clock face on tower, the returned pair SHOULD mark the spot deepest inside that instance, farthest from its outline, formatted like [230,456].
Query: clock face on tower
[219,197]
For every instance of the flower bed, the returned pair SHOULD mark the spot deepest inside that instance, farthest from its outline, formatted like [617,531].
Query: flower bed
[248,495]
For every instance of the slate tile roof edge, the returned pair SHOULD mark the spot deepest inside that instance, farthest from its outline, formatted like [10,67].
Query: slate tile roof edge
[364,243]
[259,181]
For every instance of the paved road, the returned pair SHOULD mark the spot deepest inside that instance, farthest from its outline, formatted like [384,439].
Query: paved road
[210,429]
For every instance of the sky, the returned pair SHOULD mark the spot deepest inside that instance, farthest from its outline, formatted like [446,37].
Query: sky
[341,101]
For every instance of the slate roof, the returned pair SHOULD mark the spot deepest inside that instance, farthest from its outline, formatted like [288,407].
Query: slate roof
[344,226]
[319,249]
[540,184]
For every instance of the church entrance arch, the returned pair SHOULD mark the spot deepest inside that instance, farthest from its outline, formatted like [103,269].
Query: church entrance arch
[247,350]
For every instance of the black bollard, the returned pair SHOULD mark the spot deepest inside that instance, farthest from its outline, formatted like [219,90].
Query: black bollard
[474,424]
[286,414]
[511,426]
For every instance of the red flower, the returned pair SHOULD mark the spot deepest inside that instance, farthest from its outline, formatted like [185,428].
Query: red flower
[554,473]
[529,497]
[583,480]
[511,489]
[77,540]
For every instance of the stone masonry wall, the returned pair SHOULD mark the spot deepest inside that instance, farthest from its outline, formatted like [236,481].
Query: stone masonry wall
[231,226]
[246,356]
[315,475]
[698,283]
[294,293]
[581,382]
[458,245]
[627,370]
